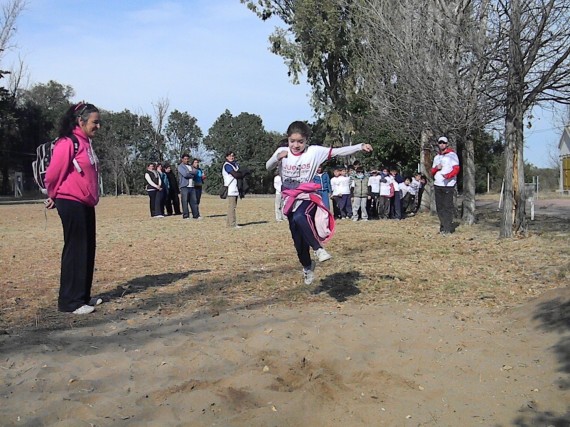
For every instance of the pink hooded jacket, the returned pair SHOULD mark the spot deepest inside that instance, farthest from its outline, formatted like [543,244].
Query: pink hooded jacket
[63,181]
[324,220]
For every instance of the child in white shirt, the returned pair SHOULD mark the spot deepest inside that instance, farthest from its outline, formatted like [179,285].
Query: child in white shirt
[299,163]
[344,202]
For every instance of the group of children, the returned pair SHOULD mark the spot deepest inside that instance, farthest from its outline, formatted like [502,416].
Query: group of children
[378,194]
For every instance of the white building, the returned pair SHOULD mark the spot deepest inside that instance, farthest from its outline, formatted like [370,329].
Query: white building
[564,150]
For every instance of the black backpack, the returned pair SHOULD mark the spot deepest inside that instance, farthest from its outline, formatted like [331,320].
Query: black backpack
[43,158]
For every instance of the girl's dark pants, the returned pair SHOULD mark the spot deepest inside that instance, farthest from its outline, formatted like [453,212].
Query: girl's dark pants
[78,256]
[302,224]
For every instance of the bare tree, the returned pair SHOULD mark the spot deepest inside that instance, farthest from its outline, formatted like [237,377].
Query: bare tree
[160,111]
[427,68]
[536,60]
[10,12]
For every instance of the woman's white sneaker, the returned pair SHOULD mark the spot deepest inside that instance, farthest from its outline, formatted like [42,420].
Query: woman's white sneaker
[84,309]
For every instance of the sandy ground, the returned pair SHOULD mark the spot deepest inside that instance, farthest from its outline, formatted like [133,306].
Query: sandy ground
[299,360]
[320,365]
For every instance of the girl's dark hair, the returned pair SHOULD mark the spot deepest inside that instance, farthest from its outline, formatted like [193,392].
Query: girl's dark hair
[230,152]
[69,120]
[299,127]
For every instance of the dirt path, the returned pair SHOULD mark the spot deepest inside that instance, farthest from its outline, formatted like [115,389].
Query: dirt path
[323,365]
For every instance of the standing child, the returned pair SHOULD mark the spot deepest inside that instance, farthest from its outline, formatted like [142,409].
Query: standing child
[310,222]
[396,201]
[335,192]
[344,203]
[415,185]
[386,193]
[360,194]
[322,178]
[405,195]
[374,188]
[342,191]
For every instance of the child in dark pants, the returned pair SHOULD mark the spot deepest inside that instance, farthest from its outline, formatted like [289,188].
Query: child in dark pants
[303,206]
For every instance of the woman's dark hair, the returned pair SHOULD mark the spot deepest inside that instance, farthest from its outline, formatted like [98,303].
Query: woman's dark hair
[69,120]
[299,127]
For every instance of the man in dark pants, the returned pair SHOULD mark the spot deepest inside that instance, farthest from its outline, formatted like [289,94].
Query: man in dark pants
[444,170]
[186,175]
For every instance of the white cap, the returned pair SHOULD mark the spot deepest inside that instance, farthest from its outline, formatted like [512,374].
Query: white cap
[443,139]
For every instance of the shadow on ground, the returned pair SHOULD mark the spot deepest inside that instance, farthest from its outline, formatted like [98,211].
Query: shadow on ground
[153,305]
[139,284]
[552,316]
[340,286]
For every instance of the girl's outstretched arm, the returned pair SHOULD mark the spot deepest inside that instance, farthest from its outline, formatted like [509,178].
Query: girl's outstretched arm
[276,158]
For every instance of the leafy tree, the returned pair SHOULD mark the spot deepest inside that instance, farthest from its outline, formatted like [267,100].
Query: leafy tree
[182,135]
[53,99]
[390,147]
[245,135]
[8,134]
[320,40]
[9,138]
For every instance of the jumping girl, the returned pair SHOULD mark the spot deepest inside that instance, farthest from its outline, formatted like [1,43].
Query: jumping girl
[310,222]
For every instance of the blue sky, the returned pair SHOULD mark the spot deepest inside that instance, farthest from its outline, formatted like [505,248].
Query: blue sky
[204,56]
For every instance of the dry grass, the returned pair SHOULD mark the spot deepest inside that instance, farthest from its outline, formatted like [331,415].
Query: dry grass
[169,265]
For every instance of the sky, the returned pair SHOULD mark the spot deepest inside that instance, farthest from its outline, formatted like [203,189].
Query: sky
[203,56]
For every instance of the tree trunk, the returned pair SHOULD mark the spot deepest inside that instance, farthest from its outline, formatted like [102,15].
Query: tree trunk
[126,188]
[520,222]
[428,201]
[507,211]
[469,181]
[116,181]
[514,128]
[5,180]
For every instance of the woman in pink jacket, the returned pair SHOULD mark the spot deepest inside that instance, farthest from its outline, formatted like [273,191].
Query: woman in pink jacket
[72,182]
